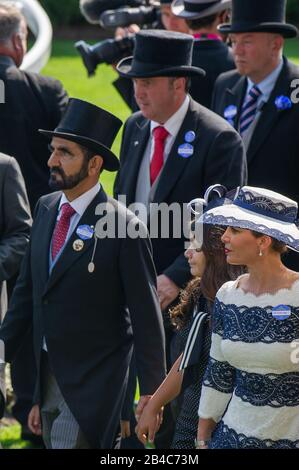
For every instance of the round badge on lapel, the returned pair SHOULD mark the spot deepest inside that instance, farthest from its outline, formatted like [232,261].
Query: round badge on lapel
[190,137]
[281,312]
[230,112]
[78,245]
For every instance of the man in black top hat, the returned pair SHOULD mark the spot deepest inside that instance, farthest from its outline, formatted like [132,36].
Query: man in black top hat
[210,52]
[257,98]
[79,281]
[174,148]
[170,22]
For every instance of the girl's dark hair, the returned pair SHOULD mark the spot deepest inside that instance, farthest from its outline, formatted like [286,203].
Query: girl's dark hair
[216,273]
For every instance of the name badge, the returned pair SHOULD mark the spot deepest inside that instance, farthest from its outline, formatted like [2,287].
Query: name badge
[281,312]
[230,112]
[186,150]
[85,232]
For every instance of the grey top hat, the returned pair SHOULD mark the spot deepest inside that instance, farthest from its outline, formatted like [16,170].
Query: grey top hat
[195,9]
[266,16]
[160,53]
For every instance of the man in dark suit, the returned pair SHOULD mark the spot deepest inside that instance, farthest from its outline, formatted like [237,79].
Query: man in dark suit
[31,100]
[15,223]
[87,290]
[257,98]
[210,52]
[198,150]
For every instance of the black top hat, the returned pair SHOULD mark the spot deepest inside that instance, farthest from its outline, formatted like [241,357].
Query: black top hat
[90,126]
[195,9]
[267,16]
[160,53]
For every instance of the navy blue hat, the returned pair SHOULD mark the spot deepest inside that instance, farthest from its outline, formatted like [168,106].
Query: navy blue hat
[266,16]
[90,126]
[260,210]
[159,53]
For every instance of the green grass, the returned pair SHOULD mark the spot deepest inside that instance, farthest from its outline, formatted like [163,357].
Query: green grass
[10,438]
[66,65]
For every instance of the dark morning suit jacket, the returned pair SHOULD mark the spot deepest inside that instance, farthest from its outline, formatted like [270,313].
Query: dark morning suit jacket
[218,157]
[15,223]
[272,154]
[84,316]
[31,102]
[215,57]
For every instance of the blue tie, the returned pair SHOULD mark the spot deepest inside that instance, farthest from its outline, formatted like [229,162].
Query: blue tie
[249,109]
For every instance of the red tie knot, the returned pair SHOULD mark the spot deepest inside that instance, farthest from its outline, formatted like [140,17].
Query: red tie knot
[67,211]
[160,133]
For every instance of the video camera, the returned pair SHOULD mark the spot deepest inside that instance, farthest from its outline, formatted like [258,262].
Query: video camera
[120,13]
[112,14]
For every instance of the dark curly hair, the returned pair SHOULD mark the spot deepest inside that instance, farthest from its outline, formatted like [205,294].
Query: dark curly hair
[216,273]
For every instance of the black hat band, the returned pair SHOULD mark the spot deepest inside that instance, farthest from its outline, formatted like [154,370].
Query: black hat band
[196,8]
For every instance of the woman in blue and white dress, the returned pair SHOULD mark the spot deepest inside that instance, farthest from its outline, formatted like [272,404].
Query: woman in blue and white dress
[250,394]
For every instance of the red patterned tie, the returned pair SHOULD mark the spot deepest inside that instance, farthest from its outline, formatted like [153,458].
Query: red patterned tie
[160,136]
[61,228]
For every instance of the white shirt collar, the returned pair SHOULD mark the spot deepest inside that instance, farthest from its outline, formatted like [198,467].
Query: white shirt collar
[81,203]
[266,86]
[173,124]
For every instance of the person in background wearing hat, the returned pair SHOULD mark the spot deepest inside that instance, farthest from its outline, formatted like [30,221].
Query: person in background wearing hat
[173,149]
[250,390]
[257,98]
[31,100]
[76,289]
[170,22]
[210,52]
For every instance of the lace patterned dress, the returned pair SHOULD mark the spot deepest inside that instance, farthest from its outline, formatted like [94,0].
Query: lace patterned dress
[251,385]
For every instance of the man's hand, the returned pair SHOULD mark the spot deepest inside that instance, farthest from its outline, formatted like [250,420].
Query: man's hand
[167,291]
[121,33]
[125,429]
[34,421]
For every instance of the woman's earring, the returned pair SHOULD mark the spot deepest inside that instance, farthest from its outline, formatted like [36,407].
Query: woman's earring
[260,253]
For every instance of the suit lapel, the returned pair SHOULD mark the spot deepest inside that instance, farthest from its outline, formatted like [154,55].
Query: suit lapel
[176,164]
[234,97]
[47,224]
[69,255]
[139,141]
[270,114]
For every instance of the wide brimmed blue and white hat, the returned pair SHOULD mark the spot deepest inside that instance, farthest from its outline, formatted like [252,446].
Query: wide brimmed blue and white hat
[260,210]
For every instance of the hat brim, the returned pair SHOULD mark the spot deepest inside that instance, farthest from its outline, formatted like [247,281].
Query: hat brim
[178,9]
[286,30]
[111,162]
[231,215]
[124,68]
